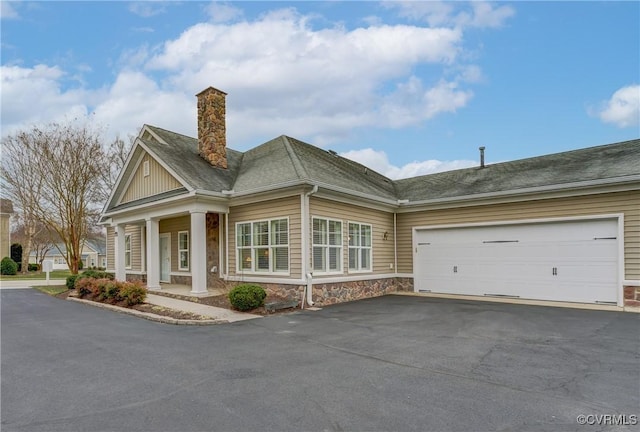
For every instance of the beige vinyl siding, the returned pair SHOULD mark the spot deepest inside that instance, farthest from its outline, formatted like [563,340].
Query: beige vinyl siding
[158,181]
[136,237]
[136,240]
[619,202]
[380,221]
[111,256]
[5,241]
[173,226]
[280,208]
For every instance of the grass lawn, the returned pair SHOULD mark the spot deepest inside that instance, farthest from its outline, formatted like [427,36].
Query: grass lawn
[51,289]
[56,274]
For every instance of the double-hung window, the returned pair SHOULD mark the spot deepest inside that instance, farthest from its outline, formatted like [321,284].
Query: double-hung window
[127,251]
[263,246]
[327,245]
[359,247]
[183,250]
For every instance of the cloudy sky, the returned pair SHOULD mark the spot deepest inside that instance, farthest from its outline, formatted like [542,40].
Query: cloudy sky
[407,88]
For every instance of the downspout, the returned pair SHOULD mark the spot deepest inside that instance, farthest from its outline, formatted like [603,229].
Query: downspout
[308,290]
[395,243]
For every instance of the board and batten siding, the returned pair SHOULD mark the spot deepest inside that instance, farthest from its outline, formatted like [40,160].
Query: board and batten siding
[627,203]
[158,181]
[173,226]
[274,209]
[380,221]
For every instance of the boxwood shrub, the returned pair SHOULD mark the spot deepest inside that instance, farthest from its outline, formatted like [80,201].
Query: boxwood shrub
[247,296]
[8,266]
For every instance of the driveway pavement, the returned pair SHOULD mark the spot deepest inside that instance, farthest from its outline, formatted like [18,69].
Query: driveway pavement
[394,363]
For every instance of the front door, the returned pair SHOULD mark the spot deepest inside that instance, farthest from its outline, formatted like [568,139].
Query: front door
[165,257]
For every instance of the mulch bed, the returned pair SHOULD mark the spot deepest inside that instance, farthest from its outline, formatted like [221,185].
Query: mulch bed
[221,301]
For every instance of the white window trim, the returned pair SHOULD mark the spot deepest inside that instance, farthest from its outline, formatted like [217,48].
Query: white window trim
[127,266]
[359,248]
[240,270]
[327,247]
[180,267]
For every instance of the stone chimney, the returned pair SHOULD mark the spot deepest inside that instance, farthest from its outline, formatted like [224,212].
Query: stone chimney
[212,130]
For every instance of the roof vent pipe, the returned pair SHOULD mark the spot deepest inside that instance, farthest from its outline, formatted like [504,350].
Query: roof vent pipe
[482,157]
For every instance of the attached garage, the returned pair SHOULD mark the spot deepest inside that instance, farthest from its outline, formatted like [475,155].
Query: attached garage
[574,260]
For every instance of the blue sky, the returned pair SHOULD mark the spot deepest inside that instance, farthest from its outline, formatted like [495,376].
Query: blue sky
[407,88]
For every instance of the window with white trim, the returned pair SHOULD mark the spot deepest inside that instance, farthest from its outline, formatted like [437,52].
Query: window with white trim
[327,245]
[127,251]
[263,246]
[183,250]
[359,247]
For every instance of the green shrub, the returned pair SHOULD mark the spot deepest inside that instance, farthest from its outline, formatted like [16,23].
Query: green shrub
[111,290]
[247,296]
[71,281]
[34,267]
[131,293]
[98,274]
[8,266]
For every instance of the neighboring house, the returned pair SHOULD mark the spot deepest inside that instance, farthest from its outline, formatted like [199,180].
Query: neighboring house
[302,221]
[93,255]
[6,210]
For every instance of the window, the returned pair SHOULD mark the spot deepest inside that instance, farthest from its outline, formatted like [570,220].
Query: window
[145,168]
[327,245]
[359,247]
[183,250]
[263,246]
[127,251]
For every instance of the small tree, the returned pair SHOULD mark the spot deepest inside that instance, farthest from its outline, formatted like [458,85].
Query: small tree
[16,254]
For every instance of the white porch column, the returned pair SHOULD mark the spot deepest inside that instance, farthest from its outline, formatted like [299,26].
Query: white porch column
[198,252]
[121,273]
[153,254]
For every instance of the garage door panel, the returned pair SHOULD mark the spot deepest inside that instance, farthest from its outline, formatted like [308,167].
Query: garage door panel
[572,261]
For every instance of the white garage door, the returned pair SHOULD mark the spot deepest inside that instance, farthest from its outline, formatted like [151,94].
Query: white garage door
[573,261]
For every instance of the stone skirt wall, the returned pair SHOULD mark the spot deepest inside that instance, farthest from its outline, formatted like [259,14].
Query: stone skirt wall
[632,296]
[137,278]
[338,292]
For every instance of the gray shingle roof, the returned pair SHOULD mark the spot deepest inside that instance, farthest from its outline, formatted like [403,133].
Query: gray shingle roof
[181,155]
[584,165]
[285,161]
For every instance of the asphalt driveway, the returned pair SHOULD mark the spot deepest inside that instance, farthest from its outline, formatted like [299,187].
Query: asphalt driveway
[394,363]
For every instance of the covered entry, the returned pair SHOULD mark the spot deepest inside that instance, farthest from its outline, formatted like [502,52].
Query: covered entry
[569,260]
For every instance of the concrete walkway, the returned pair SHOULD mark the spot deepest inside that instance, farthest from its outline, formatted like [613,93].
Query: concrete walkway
[199,309]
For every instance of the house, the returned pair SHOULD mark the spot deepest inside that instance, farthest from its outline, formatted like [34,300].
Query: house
[6,210]
[306,223]
[94,254]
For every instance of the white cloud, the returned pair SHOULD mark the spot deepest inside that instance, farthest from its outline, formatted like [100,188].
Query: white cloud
[7,11]
[222,12]
[623,109]
[147,9]
[282,76]
[135,99]
[378,161]
[34,95]
[437,13]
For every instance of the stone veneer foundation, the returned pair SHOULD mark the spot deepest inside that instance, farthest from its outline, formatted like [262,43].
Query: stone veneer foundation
[632,296]
[338,292]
